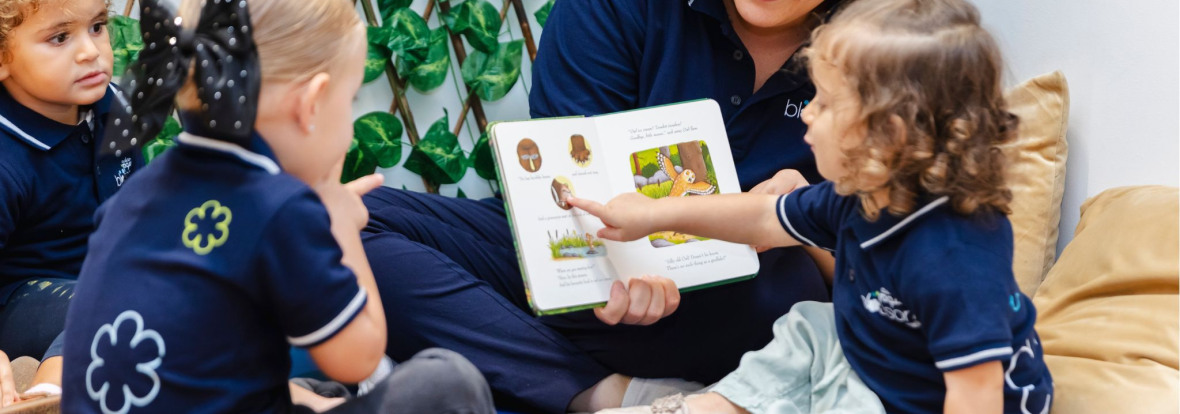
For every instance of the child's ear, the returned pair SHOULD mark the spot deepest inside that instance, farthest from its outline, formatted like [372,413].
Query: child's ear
[4,73]
[308,101]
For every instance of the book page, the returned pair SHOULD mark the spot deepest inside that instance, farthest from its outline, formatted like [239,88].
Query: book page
[541,162]
[677,150]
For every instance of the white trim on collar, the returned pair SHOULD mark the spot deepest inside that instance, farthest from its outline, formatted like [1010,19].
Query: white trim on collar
[246,155]
[36,142]
[870,242]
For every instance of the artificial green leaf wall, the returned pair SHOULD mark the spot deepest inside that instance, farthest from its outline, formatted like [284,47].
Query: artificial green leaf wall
[407,31]
[491,76]
[163,141]
[427,71]
[478,21]
[481,158]
[126,41]
[357,163]
[542,13]
[379,135]
[438,157]
[388,7]
[379,53]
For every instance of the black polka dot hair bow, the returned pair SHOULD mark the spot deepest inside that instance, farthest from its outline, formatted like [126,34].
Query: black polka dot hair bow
[224,63]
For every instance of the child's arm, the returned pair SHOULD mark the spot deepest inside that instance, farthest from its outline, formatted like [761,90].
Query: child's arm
[739,218]
[352,354]
[976,389]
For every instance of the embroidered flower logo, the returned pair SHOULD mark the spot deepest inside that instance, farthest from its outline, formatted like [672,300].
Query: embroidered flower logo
[128,349]
[203,243]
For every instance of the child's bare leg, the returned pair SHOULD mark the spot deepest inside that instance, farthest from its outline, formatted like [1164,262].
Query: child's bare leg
[712,402]
[607,393]
[49,372]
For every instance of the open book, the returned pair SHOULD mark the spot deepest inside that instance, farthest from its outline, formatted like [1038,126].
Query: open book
[678,150]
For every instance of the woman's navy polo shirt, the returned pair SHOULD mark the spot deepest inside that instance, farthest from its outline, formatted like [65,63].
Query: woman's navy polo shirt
[52,179]
[606,56]
[203,270]
[921,295]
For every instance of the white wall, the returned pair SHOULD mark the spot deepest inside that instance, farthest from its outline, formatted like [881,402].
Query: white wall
[1122,63]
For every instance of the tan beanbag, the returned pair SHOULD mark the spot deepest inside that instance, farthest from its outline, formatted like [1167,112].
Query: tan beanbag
[1108,311]
[1036,174]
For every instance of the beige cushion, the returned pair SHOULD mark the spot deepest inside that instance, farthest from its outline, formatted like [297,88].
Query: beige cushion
[1036,174]
[1108,312]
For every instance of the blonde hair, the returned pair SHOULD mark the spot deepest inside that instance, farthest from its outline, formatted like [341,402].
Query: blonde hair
[931,64]
[296,39]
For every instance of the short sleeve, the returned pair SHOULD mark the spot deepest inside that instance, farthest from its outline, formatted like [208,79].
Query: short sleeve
[812,214]
[311,292]
[588,59]
[964,305]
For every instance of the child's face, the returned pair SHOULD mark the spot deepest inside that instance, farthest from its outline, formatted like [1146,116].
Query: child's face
[60,57]
[831,119]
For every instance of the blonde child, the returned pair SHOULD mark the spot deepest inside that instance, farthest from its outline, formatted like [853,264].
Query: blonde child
[905,123]
[241,241]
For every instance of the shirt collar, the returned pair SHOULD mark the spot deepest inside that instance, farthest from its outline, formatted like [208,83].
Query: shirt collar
[887,225]
[257,153]
[38,131]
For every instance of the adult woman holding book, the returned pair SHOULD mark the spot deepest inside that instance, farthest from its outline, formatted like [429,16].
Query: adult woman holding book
[448,270]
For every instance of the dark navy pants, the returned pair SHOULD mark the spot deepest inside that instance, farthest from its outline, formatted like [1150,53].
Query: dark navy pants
[34,318]
[448,276]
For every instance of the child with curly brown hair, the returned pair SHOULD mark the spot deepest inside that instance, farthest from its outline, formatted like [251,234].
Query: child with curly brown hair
[55,71]
[905,123]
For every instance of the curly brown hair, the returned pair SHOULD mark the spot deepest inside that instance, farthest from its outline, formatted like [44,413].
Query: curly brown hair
[930,65]
[12,14]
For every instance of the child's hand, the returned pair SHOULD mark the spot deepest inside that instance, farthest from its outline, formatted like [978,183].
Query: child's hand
[626,217]
[343,201]
[644,301]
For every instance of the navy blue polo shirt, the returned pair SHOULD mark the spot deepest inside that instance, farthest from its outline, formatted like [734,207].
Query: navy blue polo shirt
[921,295]
[52,178]
[203,271]
[614,55]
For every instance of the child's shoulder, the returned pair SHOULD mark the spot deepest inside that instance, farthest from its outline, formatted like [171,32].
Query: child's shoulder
[946,236]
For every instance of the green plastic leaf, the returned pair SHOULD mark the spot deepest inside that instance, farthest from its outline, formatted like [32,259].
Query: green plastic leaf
[481,158]
[380,134]
[542,13]
[357,163]
[428,73]
[163,141]
[492,76]
[388,7]
[126,42]
[438,157]
[407,31]
[478,21]
[379,53]
[461,194]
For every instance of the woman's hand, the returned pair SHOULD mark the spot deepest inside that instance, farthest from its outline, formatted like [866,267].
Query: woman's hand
[783,182]
[8,395]
[645,300]
[626,217]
